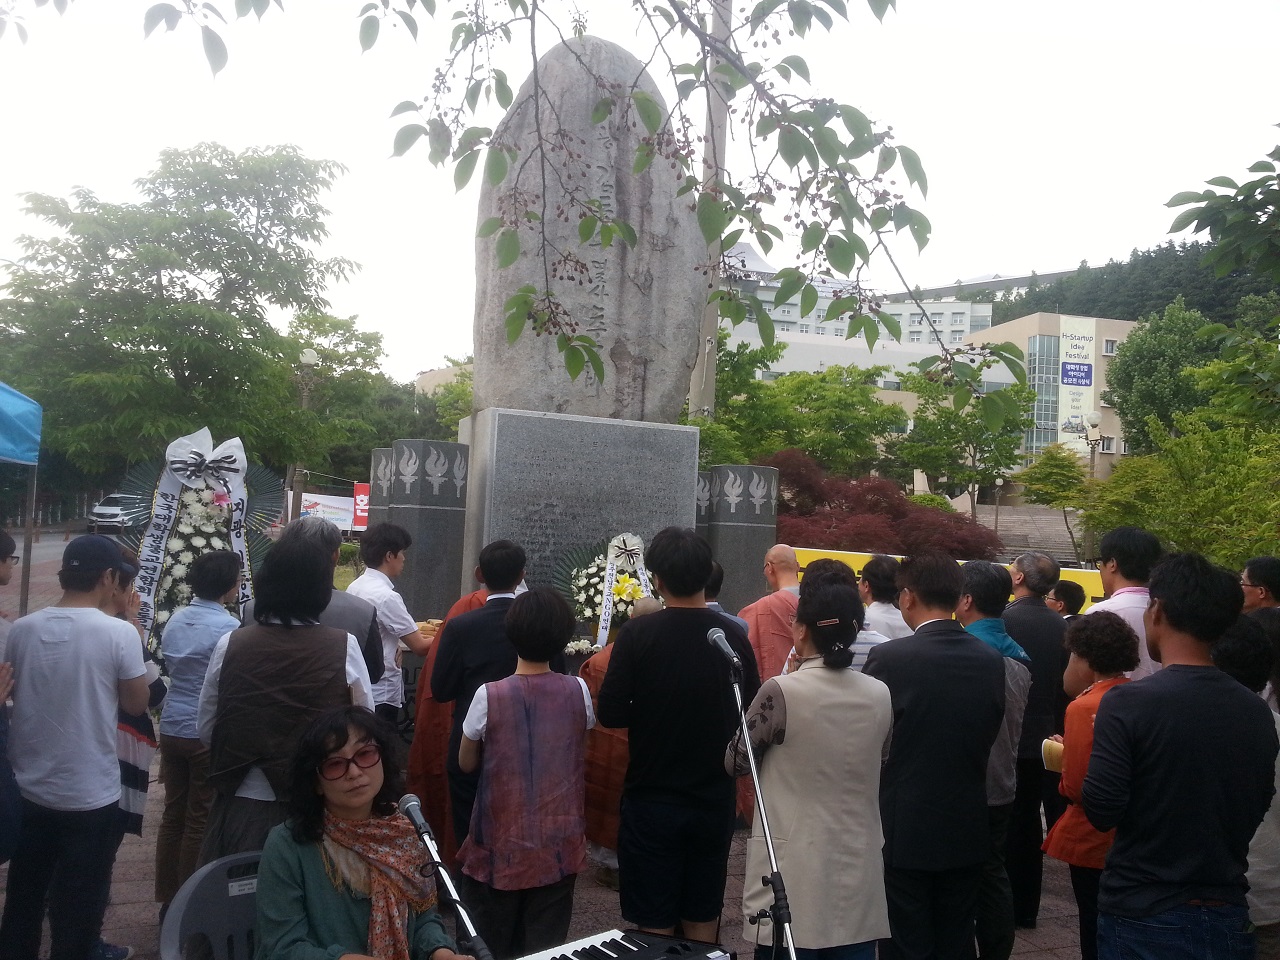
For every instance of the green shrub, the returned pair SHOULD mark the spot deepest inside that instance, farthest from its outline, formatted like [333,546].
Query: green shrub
[932,500]
[349,553]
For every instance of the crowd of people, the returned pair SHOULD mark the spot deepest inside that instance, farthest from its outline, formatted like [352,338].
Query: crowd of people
[924,731]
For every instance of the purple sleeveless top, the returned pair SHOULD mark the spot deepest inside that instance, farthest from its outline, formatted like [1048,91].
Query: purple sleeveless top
[528,826]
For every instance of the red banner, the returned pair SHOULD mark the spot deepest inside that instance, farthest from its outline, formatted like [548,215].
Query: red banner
[360,521]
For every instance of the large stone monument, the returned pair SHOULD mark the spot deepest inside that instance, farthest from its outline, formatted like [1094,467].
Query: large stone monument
[642,304]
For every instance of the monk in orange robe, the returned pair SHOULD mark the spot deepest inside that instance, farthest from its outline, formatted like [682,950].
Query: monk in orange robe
[432,723]
[769,619]
[606,765]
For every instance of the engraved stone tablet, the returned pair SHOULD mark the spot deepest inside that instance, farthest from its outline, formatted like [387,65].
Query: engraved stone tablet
[429,498]
[381,474]
[743,526]
[551,482]
[642,304]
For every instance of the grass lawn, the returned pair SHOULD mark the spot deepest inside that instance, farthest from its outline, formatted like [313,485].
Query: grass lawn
[344,574]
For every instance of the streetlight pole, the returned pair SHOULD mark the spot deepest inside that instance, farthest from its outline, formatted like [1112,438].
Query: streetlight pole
[308,360]
[999,487]
[1093,437]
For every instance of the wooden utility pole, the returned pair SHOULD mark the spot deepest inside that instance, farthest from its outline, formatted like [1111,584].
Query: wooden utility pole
[702,387]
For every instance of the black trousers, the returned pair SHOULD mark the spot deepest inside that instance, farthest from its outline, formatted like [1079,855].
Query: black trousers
[931,913]
[63,857]
[995,926]
[1024,860]
[1084,884]
[515,923]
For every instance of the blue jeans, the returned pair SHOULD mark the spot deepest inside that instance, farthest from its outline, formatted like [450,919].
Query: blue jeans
[1187,932]
[850,951]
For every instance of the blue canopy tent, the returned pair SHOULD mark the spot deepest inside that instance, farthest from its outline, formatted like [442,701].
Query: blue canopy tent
[20,418]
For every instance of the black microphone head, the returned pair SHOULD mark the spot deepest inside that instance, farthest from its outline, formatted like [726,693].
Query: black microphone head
[407,802]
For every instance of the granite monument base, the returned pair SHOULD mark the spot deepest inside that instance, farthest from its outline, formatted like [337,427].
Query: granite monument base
[741,527]
[552,482]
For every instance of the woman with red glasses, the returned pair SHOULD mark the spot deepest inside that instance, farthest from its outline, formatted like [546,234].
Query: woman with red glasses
[342,878]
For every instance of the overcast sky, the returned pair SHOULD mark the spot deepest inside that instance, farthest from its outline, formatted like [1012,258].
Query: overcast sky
[1051,132]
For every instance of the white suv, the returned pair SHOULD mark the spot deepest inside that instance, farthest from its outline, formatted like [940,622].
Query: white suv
[108,514]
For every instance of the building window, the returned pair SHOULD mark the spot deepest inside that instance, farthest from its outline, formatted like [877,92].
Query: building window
[1109,348]
[839,331]
[893,385]
[804,328]
[917,319]
[957,336]
[915,336]
[1108,445]
[935,317]
[957,319]
[820,330]
[935,336]
[786,327]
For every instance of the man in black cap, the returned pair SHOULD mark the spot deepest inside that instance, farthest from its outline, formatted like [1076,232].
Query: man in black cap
[73,667]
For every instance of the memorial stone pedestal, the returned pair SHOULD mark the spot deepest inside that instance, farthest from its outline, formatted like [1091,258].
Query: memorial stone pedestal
[381,474]
[428,498]
[703,514]
[743,525]
[553,481]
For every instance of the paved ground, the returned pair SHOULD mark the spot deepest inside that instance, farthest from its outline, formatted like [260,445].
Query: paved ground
[132,918]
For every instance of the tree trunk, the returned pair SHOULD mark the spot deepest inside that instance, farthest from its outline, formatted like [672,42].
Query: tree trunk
[1075,547]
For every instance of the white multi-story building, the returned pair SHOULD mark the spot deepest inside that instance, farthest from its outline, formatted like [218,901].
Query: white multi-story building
[813,344]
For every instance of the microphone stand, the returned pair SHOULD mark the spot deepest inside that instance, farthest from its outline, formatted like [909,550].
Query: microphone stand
[780,912]
[449,895]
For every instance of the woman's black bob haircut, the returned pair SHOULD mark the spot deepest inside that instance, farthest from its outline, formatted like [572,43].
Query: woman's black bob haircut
[327,733]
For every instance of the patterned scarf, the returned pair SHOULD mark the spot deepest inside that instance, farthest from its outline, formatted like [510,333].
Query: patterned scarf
[392,854]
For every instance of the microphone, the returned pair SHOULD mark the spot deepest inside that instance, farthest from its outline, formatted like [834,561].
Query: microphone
[411,807]
[716,637]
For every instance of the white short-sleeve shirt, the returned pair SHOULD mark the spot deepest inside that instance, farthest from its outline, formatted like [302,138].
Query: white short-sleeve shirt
[394,621]
[67,664]
[477,719]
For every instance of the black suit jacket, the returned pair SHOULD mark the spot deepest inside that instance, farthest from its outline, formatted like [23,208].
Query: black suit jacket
[948,704]
[1039,631]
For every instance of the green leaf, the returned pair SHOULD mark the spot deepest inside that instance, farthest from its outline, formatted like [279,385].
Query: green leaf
[489,227]
[647,107]
[587,228]
[840,254]
[495,165]
[508,248]
[886,159]
[730,239]
[880,7]
[369,28]
[593,358]
[811,239]
[871,332]
[1225,182]
[244,8]
[367,9]
[1185,219]
[165,13]
[404,106]
[215,51]
[410,24]
[915,172]
[920,229]
[808,299]
[1185,197]
[628,233]
[1263,166]
[644,156]
[574,361]
[600,112]
[465,167]
[992,410]
[792,145]
[798,65]
[516,321]
[840,305]
[406,137]
[764,321]
[712,218]
[790,281]
[890,324]
[501,90]
[879,218]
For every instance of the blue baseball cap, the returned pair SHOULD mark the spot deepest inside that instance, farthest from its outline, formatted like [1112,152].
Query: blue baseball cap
[95,553]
